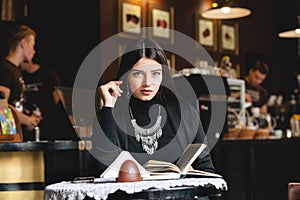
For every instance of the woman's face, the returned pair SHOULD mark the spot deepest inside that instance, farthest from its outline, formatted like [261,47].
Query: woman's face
[144,79]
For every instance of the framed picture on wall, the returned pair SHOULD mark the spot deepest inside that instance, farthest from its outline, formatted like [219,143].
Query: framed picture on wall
[206,33]
[161,18]
[131,18]
[229,38]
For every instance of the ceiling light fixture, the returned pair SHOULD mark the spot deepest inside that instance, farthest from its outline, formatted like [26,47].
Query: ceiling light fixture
[226,10]
[294,33]
[290,34]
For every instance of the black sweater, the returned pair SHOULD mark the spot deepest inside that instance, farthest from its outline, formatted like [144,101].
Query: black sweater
[181,126]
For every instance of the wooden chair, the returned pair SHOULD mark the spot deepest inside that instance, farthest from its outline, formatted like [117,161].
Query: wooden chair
[294,191]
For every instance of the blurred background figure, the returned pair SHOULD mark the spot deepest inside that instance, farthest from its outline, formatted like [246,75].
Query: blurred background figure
[255,92]
[41,95]
[21,43]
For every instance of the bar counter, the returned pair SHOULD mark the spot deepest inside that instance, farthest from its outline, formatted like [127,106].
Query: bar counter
[27,167]
[258,168]
[37,146]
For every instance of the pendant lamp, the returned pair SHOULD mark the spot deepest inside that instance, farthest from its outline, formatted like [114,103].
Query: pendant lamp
[225,10]
[294,33]
[290,34]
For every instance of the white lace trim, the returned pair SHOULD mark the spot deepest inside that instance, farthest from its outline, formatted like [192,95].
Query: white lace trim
[100,191]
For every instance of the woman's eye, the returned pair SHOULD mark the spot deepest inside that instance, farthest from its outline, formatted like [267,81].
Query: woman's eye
[137,74]
[156,74]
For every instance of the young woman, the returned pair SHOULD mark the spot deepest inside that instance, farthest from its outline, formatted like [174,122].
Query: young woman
[142,114]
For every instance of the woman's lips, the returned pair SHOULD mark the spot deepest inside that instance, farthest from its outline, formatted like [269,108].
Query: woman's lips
[146,92]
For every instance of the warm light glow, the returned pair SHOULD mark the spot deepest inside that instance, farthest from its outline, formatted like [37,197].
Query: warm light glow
[214,5]
[225,9]
[233,13]
[295,33]
[297,30]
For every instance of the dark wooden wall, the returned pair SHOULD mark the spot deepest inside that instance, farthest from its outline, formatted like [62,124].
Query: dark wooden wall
[69,30]
[66,32]
[257,36]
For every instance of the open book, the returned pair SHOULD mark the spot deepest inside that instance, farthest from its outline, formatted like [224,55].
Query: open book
[153,169]
[167,170]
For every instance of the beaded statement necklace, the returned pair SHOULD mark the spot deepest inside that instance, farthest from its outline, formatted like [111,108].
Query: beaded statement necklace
[148,136]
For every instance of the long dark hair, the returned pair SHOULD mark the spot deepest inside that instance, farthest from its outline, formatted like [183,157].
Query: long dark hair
[150,49]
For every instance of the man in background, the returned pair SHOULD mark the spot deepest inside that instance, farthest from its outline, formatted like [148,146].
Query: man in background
[41,94]
[21,44]
[255,93]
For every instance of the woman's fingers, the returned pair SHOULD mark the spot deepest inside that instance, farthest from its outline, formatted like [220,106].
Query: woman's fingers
[110,92]
[113,88]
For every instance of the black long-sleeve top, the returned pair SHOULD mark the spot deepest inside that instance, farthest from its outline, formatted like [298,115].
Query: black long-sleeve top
[181,126]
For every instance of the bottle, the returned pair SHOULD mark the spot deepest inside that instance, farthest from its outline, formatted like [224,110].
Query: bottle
[37,112]
[37,133]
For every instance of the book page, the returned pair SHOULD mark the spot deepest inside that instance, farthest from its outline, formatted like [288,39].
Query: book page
[160,166]
[189,155]
[162,176]
[202,173]
[167,170]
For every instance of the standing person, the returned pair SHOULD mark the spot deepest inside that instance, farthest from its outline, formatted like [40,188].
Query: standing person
[141,113]
[255,93]
[21,44]
[41,94]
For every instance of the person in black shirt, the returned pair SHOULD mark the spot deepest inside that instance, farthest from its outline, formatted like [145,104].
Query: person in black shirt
[255,93]
[142,114]
[41,94]
[21,44]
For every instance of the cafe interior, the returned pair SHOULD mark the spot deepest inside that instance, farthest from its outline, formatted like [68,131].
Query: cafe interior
[257,163]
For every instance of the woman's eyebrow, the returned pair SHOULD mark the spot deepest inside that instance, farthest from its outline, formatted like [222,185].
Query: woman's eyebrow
[156,70]
[137,70]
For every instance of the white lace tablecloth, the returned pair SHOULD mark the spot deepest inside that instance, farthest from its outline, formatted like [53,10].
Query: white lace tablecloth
[100,191]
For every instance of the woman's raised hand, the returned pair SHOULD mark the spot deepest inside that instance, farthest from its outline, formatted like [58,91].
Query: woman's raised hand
[110,93]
